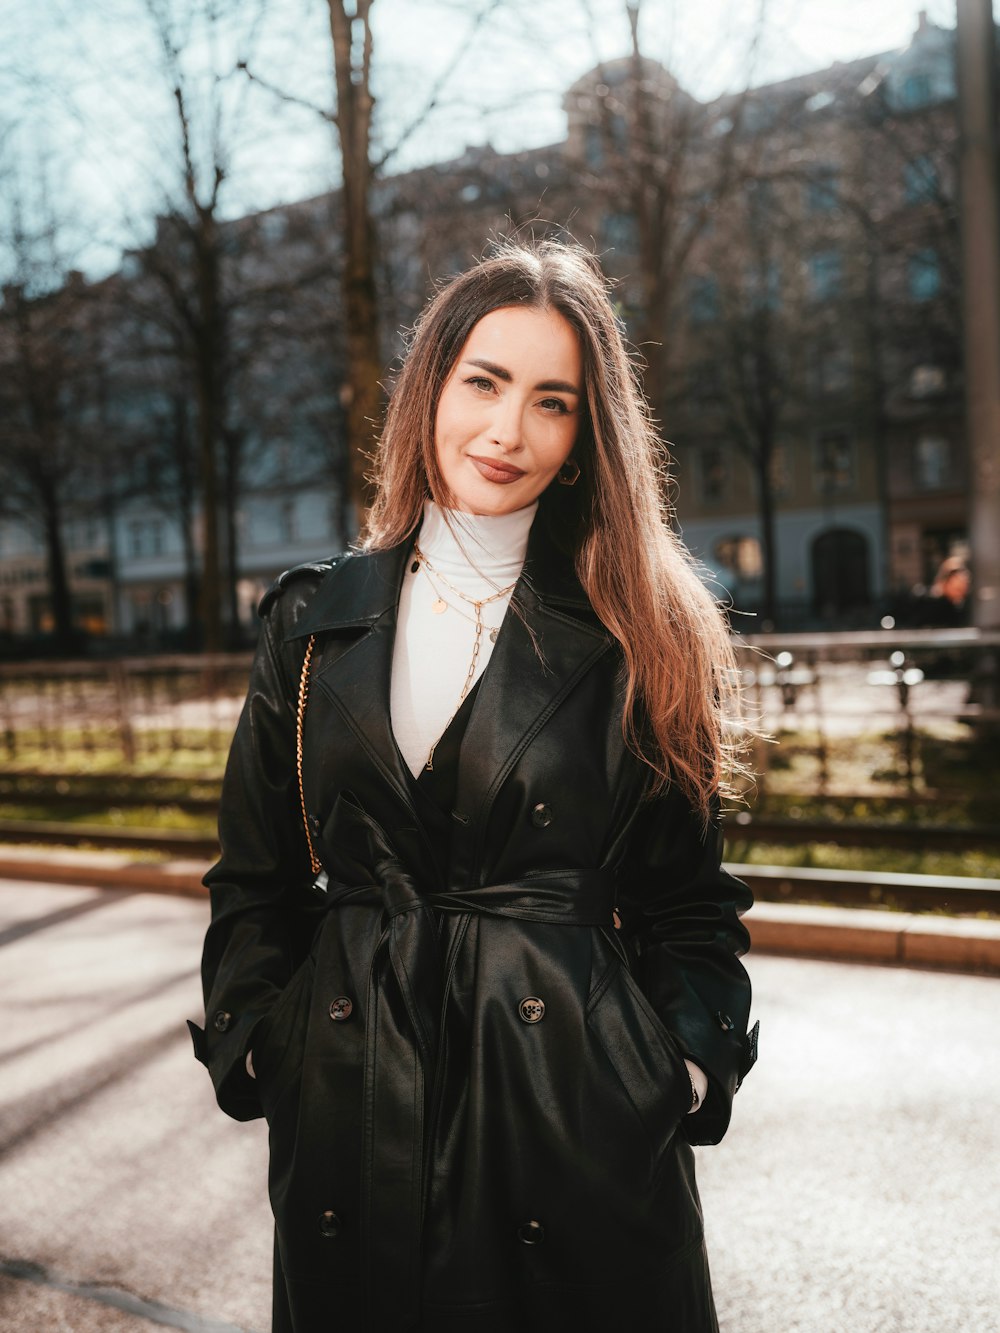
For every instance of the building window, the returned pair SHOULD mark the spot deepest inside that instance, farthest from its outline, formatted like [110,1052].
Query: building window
[920,180]
[83,535]
[741,556]
[924,275]
[820,101]
[704,299]
[915,90]
[335,517]
[821,191]
[825,270]
[274,227]
[611,133]
[926,381]
[288,527]
[932,462]
[763,285]
[780,472]
[593,147]
[145,537]
[840,560]
[834,462]
[713,473]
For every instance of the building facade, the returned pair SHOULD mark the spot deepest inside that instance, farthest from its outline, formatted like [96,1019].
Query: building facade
[787,262]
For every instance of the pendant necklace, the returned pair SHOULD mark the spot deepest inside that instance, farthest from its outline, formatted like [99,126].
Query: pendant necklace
[440,606]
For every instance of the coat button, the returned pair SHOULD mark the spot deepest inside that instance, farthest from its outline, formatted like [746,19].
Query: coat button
[531,1233]
[724,1021]
[221,1021]
[531,1009]
[329,1225]
[541,815]
[341,1008]
[314,823]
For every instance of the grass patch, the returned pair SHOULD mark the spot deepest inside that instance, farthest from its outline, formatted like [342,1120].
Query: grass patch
[165,818]
[875,764]
[189,753]
[900,812]
[833,856]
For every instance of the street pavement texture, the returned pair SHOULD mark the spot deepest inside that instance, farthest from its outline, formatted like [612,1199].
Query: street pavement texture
[856,1190]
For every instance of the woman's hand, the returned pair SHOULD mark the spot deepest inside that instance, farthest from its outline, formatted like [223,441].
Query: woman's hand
[699,1084]
[253,1075]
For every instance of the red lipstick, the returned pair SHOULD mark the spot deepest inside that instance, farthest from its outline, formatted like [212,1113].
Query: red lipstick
[494,470]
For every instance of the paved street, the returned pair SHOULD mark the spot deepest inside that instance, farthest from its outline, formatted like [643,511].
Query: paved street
[857,1190]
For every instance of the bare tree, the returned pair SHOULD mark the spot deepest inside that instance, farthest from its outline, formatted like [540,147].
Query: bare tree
[660,165]
[187,293]
[360,262]
[351,37]
[50,449]
[752,339]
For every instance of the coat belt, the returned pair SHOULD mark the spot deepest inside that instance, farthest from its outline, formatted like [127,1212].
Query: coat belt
[407,1000]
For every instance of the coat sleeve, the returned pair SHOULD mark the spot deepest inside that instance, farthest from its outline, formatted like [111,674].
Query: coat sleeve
[682,911]
[263,908]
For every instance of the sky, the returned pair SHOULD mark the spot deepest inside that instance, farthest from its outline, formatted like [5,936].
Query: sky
[88,129]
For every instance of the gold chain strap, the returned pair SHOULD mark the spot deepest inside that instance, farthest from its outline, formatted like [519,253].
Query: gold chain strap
[300,719]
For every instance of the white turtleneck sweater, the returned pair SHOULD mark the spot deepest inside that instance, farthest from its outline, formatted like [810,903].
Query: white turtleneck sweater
[430,662]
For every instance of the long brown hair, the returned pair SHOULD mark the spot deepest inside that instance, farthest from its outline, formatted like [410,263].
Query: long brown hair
[682,713]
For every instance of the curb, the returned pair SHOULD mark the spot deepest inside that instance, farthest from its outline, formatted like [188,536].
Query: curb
[841,934]
[103,870]
[862,935]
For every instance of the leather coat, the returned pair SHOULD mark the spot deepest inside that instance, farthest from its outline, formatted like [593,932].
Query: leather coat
[474,1082]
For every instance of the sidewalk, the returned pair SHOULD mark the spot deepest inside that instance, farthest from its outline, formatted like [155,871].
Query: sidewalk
[849,934]
[852,1193]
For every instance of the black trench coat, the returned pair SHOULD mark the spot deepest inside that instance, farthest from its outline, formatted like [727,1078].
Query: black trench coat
[474,1085]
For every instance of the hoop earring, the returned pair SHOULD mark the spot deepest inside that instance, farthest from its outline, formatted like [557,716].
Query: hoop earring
[569,473]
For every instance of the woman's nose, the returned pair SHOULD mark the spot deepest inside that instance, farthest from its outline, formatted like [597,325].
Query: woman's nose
[507,424]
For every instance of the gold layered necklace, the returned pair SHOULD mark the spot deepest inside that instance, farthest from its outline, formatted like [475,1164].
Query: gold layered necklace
[440,606]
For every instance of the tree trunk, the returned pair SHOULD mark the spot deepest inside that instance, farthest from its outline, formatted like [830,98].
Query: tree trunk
[61,600]
[207,353]
[209,601]
[232,491]
[768,542]
[361,394]
[185,467]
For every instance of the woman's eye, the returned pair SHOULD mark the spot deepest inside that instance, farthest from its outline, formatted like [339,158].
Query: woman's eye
[554,405]
[480,382]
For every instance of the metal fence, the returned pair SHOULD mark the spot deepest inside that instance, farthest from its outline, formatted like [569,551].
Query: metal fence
[872,708]
[830,699]
[132,712]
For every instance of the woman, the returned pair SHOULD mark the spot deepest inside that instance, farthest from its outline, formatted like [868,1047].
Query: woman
[472,952]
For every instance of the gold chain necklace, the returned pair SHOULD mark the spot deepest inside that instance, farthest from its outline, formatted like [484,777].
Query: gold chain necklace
[439,607]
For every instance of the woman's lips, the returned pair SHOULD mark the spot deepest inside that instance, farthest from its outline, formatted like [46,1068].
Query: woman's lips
[493,470]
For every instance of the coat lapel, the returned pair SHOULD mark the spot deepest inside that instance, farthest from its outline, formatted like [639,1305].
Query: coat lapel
[356,606]
[524,684]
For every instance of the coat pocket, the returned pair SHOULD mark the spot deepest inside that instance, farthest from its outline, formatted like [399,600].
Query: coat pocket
[279,1039]
[643,1055]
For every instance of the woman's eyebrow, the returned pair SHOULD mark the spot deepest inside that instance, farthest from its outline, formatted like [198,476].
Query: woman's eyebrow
[558,386]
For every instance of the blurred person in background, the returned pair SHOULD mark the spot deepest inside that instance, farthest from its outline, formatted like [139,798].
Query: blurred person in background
[472,951]
[948,600]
